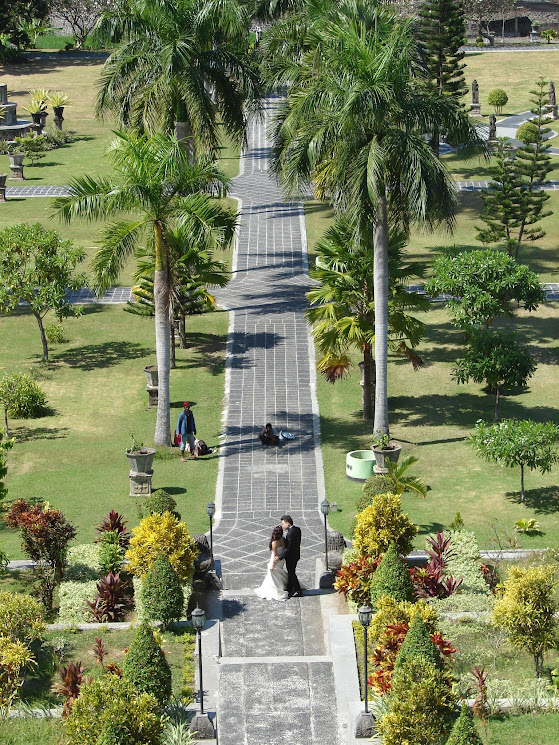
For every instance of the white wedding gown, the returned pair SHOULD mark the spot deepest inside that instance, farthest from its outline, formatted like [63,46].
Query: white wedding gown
[274,586]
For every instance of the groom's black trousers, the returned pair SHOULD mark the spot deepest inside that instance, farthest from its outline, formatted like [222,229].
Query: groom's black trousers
[292,581]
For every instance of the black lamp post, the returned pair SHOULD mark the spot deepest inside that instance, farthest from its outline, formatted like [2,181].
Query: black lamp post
[198,621]
[210,511]
[325,509]
[365,616]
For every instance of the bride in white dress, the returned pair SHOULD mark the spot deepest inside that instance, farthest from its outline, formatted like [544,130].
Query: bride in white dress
[274,586]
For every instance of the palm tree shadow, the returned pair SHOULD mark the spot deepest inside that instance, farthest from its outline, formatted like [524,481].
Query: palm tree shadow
[28,434]
[543,500]
[107,354]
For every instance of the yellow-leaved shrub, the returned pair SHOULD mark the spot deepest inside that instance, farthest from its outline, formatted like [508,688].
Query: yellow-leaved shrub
[161,534]
[391,611]
[380,524]
[21,617]
[15,656]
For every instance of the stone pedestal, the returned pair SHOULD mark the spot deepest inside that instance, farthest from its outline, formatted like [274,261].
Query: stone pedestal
[152,396]
[3,177]
[475,109]
[16,167]
[554,112]
[201,726]
[365,725]
[140,483]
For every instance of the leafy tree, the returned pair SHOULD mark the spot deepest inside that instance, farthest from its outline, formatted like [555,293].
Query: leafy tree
[549,35]
[516,443]
[80,16]
[162,593]
[21,397]
[515,199]
[14,16]
[182,65]
[383,523]
[422,704]
[418,643]
[109,710]
[464,731]
[46,534]
[37,266]
[391,578]
[483,285]
[353,126]
[441,30]
[146,667]
[526,609]
[342,307]
[5,445]
[497,98]
[496,359]
[162,190]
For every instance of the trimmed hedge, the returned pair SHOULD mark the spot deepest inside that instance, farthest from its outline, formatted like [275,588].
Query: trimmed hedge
[391,578]
[146,667]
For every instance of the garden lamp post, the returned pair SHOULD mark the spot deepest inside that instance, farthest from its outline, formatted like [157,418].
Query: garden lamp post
[325,509]
[365,725]
[201,724]
[210,511]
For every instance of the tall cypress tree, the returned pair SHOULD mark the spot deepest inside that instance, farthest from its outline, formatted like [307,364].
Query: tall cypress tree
[441,30]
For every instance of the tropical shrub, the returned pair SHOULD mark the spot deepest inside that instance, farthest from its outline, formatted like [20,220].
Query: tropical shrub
[72,600]
[114,523]
[391,611]
[15,657]
[162,593]
[161,534]
[463,602]
[465,562]
[145,665]
[82,562]
[433,581]
[111,556]
[525,610]
[21,397]
[497,98]
[353,580]
[391,578]
[113,599]
[376,484]
[159,502]
[418,643]
[71,679]
[21,617]
[109,710]
[381,524]
[55,333]
[528,133]
[464,731]
[422,706]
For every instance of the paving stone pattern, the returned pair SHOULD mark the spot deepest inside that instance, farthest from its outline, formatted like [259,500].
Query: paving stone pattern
[275,682]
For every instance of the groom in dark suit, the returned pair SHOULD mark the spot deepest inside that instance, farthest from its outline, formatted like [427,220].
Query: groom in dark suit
[291,553]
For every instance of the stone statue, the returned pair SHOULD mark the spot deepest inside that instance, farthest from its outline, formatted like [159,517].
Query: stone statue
[552,99]
[475,92]
[492,126]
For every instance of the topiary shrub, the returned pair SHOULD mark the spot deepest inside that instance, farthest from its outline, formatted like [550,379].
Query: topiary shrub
[161,534]
[109,710]
[377,484]
[145,665]
[422,706]
[464,731]
[21,617]
[497,98]
[158,503]
[391,578]
[381,524]
[391,612]
[527,133]
[162,593]
[465,562]
[418,643]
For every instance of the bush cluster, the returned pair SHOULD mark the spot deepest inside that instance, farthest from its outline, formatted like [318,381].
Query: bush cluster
[22,396]
[157,503]
[145,665]
[162,594]
[72,599]
[391,578]
[382,523]
[161,534]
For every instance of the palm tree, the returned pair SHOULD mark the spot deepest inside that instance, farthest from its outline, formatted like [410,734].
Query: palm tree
[355,124]
[182,65]
[402,482]
[162,190]
[342,309]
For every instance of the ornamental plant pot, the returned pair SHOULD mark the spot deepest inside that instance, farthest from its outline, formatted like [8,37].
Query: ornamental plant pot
[36,118]
[391,453]
[141,460]
[152,376]
[58,118]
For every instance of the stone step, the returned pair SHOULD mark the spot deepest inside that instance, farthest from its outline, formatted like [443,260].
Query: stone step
[253,627]
[277,703]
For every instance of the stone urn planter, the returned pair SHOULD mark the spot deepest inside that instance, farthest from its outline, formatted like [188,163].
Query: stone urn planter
[141,460]
[359,465]
[3,177]
[152,376]
[16,166]
[388,452]
[58,118]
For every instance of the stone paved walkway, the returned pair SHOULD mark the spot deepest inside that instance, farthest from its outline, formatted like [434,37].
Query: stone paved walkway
[276,680]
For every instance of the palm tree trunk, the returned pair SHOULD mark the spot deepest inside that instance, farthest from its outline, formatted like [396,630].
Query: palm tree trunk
[183,130]
[161,297]
[182,329]
[380,289]
[367,386]
[173,356]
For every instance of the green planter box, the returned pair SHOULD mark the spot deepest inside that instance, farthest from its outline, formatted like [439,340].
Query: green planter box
[359,464]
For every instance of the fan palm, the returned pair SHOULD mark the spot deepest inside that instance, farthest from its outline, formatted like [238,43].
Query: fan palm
[183,65]
[402,482]
[354,126]
[342,309]
[161,189]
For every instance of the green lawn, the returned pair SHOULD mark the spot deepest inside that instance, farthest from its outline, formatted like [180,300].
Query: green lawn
[96,393]
[26,731]
[526,729]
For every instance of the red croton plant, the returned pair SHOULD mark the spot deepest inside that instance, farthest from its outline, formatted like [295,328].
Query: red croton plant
[386,651]
[353,579]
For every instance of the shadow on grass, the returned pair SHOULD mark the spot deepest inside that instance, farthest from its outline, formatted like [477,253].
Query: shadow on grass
[174,489]
[543,500]
[429,528]
[28,434]
[107,354]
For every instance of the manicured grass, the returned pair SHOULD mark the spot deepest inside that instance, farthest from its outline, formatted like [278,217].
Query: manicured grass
[26,731]
[96,393]
[516,73]
[525,729]
[431,415]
